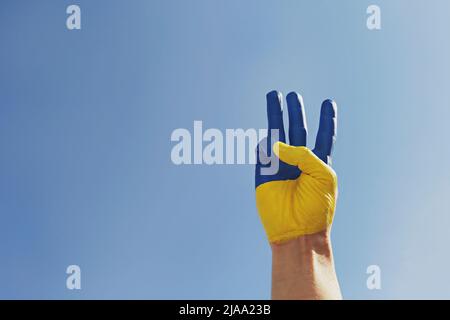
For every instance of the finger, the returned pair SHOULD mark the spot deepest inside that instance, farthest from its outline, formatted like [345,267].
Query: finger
[304,159]
[275,118]
[297,121]
[326,135]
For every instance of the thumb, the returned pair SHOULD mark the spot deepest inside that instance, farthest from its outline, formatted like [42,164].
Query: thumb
[305,160]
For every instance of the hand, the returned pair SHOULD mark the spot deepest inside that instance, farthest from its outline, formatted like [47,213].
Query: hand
[300,199]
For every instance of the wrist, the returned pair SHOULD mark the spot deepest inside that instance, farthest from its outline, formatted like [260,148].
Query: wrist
[305,245]
[303,268]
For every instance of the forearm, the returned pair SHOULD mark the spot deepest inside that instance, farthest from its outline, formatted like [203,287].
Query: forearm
[303,268]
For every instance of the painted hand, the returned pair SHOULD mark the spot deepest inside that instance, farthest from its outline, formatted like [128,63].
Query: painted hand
[300,198]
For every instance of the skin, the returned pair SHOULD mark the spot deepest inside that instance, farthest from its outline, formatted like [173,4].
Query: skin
[303,268]
[302,265]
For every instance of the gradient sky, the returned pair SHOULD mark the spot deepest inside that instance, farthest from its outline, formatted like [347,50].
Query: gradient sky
[85,124]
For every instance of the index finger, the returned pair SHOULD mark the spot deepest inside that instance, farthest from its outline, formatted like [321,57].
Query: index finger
[326,135]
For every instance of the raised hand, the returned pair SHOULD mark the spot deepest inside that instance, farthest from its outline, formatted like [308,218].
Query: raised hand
[300,198]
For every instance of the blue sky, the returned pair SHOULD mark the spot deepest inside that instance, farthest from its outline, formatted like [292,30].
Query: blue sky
[85,124]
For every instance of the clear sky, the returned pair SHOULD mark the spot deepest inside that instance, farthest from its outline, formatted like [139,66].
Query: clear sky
[85,124]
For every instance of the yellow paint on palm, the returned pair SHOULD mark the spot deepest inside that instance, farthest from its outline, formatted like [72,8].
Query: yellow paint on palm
[292,208]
